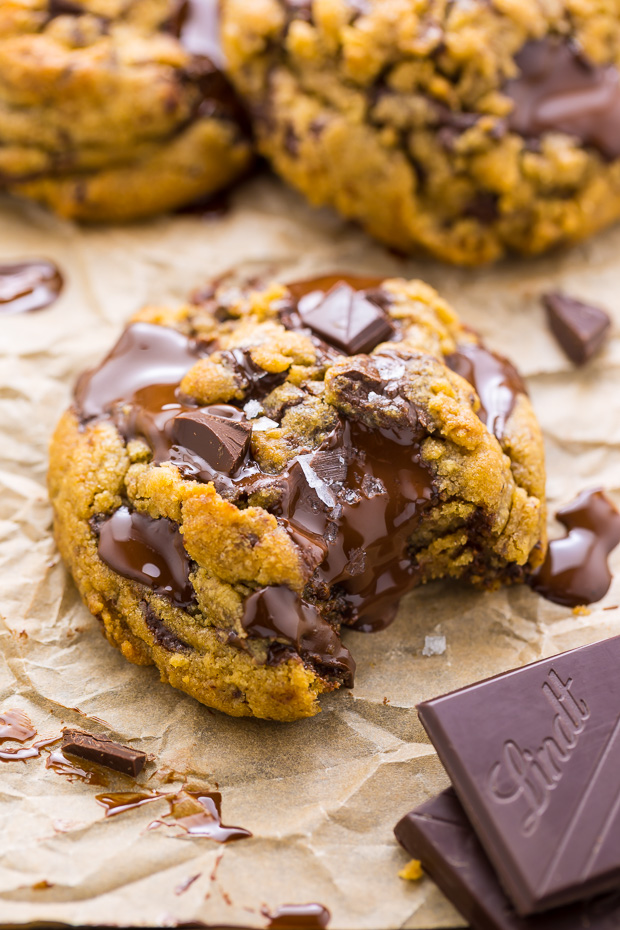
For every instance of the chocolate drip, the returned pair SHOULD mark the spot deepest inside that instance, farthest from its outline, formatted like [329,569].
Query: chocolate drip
[145,356]
[148,551]
[278,612]
[298,917]
[495,380]
[575,570]
[28,286]
[558,90]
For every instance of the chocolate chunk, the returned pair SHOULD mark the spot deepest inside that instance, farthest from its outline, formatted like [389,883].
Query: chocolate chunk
[148,551]
[580,329]
[64,8]
[162,634]
[558,90]
[28,286]
[495,380]
[346,318]
[534,757]
[221,439]
[575,570]
[440,836]
[104,751]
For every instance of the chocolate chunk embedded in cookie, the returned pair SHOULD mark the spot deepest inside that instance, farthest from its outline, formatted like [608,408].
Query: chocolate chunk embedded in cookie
[238,481]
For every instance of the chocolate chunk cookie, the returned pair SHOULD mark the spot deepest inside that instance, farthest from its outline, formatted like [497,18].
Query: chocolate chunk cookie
[244,476]
[465,129]
[107,113]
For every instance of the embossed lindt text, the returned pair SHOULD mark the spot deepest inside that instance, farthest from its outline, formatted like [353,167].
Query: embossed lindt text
[532,774]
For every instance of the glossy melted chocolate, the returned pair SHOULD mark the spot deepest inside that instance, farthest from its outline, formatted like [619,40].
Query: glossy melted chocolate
[351,506]
[28,286]
[149,551]
[197,24]
[496,381]
[575,570]
[558,90]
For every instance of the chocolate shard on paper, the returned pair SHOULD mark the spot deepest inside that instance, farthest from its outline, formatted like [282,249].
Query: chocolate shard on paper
[439,834]
[104,751]
[346,318]
[534,757]
[580,328]
[215,434]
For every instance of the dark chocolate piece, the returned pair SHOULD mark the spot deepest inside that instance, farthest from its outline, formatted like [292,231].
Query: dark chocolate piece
[575,570]
[534,756]
[495,380]
[559,91]
[148,551]
[64,8]
[580,329]
[439,834]
[220,438]
[104,751]
[163,635]
[298,917]
[346,318]
[28,286]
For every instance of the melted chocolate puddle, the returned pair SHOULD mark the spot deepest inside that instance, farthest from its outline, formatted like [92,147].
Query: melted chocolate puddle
[16,725]
[575,570]
[298,917]
[58,762]
[558,90]
[118,802]
[28,286]
[204,819]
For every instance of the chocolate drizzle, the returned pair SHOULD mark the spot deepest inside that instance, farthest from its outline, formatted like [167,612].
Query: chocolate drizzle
[199,815]
[495,380]
[148,551]
[575,570]
[28,286]
[558,90]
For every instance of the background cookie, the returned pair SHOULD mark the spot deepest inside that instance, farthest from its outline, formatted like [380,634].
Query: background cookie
[105,116]
[243,476]
[465,129]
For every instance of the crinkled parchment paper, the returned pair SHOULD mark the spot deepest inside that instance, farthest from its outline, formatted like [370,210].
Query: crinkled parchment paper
[320,796]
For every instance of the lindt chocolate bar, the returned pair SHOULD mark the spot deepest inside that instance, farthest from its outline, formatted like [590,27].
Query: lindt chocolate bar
[534,756]
[104,751]
[439,834]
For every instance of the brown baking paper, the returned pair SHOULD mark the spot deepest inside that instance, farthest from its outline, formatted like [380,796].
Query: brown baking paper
[321,796]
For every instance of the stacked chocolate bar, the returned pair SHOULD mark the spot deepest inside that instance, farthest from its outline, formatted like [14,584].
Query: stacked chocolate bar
[528,838]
